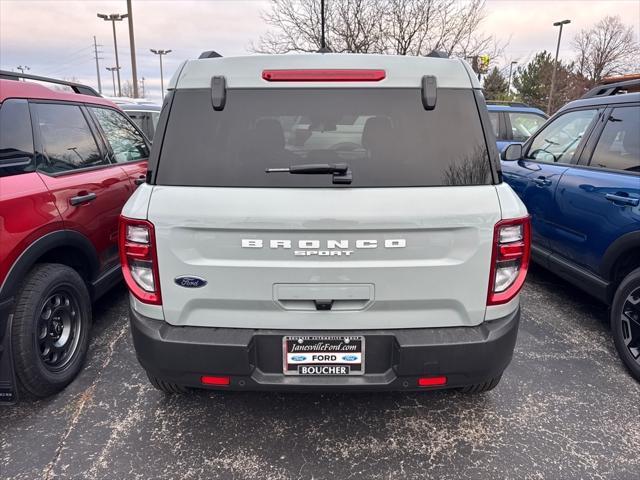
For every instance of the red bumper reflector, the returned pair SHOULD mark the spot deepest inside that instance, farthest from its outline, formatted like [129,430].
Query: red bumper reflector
[432,381]
[211,380]
[314,75]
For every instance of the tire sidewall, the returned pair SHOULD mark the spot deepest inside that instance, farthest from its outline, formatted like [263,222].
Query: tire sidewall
[42,381]
[629,284]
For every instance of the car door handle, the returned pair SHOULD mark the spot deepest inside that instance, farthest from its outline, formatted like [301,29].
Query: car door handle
[612,197]
[542,181]
[140,180]
[81,199]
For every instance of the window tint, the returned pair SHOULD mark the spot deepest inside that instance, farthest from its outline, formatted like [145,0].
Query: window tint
[619,145]
[495,123]
[16,138]
[67,141]
[126,142]
[523,125]
[558,142]
[385,136]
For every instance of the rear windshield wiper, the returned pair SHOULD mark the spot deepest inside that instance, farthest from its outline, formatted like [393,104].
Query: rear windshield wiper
[340,171]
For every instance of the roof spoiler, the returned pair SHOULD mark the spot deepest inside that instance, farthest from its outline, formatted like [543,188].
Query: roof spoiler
[429,92]
[76,87]
[615,88]
[209,54]
[437,54]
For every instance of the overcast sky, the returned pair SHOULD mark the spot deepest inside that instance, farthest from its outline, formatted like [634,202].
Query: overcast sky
[55,37]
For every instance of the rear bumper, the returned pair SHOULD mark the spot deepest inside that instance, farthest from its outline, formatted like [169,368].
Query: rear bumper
[394,359]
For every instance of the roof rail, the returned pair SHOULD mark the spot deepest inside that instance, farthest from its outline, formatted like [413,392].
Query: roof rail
[615,88]
[507,103]
[76,87]
[210,54]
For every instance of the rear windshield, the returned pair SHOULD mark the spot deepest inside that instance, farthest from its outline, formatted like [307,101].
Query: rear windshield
[385,136]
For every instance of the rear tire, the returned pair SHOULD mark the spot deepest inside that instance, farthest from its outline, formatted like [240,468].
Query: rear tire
[625,322]
[166,387]
[50,331]
[482,387]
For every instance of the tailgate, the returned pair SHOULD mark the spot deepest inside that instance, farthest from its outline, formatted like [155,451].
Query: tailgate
[331,259]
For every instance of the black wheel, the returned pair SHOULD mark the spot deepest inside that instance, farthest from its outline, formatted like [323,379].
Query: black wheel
[482,387]
[166,387]
[625,322]
[50,331]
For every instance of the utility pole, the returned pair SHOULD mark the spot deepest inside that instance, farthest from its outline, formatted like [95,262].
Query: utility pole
[113,18]
[132,45]
[160,53]
[22,68]
[95,49]
[113,77]
[142,87]
[510,73]
[555,64]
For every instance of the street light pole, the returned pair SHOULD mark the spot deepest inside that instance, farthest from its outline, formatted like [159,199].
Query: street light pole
[113,18]
[132,45]
[113,77]
[555,64]
[160,53]
[510,73]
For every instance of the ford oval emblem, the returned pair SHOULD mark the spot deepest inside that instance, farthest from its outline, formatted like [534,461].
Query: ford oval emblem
[349,358]
[190,282]
[298,358]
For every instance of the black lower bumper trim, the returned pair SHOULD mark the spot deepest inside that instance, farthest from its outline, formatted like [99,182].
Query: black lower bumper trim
[8,391]
[394,359]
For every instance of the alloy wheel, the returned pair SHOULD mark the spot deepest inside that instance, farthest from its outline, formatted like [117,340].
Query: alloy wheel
[631,324]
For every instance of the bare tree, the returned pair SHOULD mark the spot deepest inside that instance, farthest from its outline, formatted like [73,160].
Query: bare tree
[608,48]
[405,27]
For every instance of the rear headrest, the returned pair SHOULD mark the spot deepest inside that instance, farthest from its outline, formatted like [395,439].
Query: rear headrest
[268,134]
[375,131]
[631,143]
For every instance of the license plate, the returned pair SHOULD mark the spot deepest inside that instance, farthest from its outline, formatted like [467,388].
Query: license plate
[323,355]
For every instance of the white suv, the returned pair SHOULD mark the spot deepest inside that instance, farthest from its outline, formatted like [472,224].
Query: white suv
[324,221]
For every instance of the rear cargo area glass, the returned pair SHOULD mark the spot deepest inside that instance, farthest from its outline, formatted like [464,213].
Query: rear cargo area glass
[385,136]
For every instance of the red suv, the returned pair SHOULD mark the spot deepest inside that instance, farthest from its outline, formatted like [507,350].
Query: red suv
[68,163]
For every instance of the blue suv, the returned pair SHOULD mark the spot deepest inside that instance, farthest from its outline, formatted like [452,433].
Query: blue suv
[579,176]
[514,122]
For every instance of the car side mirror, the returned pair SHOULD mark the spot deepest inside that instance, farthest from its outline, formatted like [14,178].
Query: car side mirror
[512,152]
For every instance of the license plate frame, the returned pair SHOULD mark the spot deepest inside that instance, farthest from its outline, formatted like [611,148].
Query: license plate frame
[340,346]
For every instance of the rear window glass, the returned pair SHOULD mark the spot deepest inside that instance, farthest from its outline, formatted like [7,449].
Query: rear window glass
[385,136]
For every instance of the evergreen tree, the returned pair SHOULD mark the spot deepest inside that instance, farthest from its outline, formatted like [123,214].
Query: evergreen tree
[495,85]
[533,82]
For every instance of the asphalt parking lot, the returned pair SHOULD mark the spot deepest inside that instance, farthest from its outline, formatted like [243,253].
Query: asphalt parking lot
[565,409]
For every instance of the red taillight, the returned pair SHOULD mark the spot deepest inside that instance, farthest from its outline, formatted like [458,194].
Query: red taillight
[432,381]
[314,75]
[138,259]
[509,260]
[212,380]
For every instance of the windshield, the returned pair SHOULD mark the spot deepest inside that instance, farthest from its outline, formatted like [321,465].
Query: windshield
[385,136]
